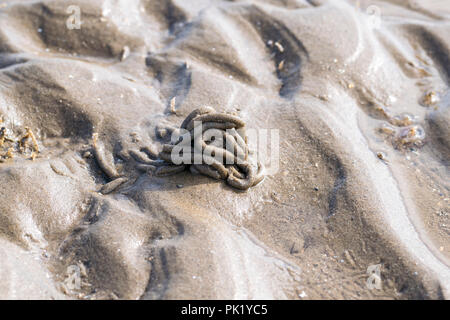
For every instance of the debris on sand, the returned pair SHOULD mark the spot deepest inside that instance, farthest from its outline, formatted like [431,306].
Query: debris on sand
[220,145]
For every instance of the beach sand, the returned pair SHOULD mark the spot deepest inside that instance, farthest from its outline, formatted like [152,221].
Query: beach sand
[357,91]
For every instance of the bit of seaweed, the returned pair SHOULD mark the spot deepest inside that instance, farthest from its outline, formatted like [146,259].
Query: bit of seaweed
[11,146]
[28,135]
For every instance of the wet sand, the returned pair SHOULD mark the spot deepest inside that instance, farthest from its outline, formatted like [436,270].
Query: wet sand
[358,92]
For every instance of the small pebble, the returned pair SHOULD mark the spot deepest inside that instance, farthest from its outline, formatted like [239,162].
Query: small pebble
[125,53]
[279,46]
[87,155]
[430,98]
[381,155]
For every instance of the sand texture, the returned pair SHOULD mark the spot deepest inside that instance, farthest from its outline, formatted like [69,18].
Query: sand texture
[358,91]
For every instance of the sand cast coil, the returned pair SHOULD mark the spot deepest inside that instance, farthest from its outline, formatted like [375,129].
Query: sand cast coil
[213,144]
